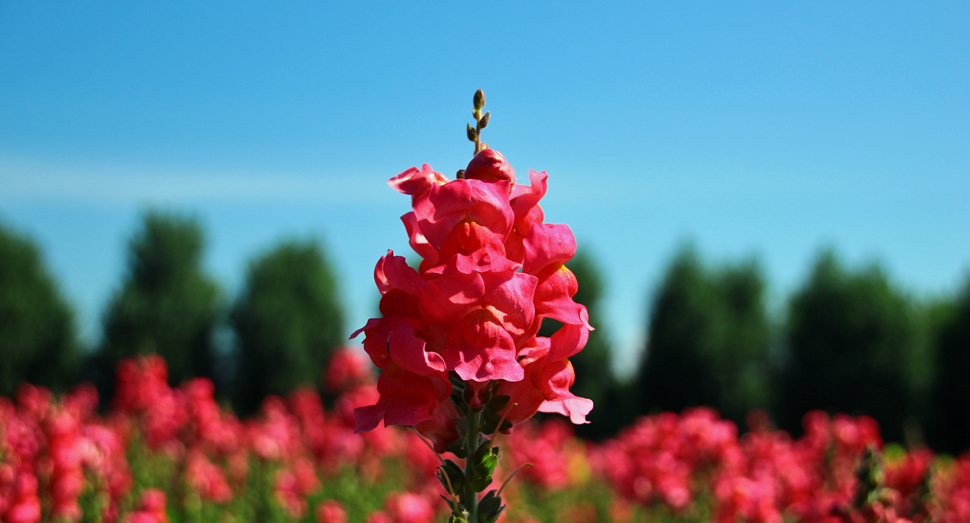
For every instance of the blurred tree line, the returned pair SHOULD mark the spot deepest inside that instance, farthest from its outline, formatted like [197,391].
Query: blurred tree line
[848,339]
[285,321]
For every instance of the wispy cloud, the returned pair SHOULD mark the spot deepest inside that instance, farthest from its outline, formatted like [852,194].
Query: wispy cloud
[20,180]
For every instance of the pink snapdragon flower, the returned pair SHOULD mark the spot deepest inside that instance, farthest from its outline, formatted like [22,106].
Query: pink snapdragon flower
[491,271]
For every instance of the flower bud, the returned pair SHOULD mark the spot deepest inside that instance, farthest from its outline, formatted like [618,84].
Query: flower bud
[490,166]
[479,99]
[484,121]
[472,134]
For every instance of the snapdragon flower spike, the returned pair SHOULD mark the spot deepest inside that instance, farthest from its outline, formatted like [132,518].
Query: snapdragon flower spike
[491,271]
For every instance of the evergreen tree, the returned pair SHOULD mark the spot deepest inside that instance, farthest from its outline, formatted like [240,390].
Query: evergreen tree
[708,340]
[166,304]
[851,340]
[37,336]
[287,322]
[949,429]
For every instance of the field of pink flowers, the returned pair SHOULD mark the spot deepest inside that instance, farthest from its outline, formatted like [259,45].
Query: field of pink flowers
[174,454]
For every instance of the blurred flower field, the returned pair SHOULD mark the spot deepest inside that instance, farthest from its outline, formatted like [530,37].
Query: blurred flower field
[174,454]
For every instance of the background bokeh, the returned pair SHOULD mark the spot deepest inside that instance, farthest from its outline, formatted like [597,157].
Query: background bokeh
[761,191]
[770,202]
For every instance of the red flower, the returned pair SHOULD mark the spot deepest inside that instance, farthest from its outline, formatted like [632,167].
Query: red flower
[405,507]
[24,506]
[331,511]
[491,271]
[347,368]
[151,508]
[490,165]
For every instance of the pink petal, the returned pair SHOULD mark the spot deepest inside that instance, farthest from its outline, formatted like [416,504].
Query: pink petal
[449,298]
[525,199]
[408,352]
[553,297]
[414,182]
[443,207]
[416,238]
[371,324]
[547,244]
[393,272]
[554,379]
[567,341]
[368,418]
[575,408]
[406,399]
[478,349]
[510,296]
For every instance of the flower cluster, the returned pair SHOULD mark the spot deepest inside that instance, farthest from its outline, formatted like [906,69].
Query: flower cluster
[832,474]
[557,457]
[491,271]
[55,451]
[61,461]
[48,448]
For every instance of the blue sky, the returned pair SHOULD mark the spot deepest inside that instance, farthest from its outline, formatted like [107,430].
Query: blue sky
[751,128]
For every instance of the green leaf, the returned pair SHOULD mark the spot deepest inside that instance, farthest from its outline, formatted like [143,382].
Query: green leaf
[457,447]
[453,504]
[455,475]
[484,449]
[488,464]
[481,483]
[494,408]
[490,507]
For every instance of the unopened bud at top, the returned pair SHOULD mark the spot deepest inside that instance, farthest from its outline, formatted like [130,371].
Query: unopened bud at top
[490,166]
[479,100]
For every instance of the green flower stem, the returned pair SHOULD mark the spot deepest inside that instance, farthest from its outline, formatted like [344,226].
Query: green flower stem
[470,496]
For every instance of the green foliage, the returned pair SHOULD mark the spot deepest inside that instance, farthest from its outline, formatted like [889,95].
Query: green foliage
[254,500]
[287,321]
[852,342]
[593,500]
[37,337]
[708,340]
[949,428]
[166,304]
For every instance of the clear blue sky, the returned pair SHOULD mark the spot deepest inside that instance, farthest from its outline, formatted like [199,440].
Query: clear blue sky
[753,128]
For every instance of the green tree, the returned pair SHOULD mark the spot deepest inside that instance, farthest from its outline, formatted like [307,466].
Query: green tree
[851,341]
[37,336]
[949,427]
[708,340]
[166,304]
[287,322]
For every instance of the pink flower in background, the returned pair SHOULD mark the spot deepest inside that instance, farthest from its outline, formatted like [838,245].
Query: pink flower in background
[406,507]
[379,516]
[151,508]
[50,446]
[23,506]
[206,478]
[65,448]
[331,511]
[347,368]
[553,452]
